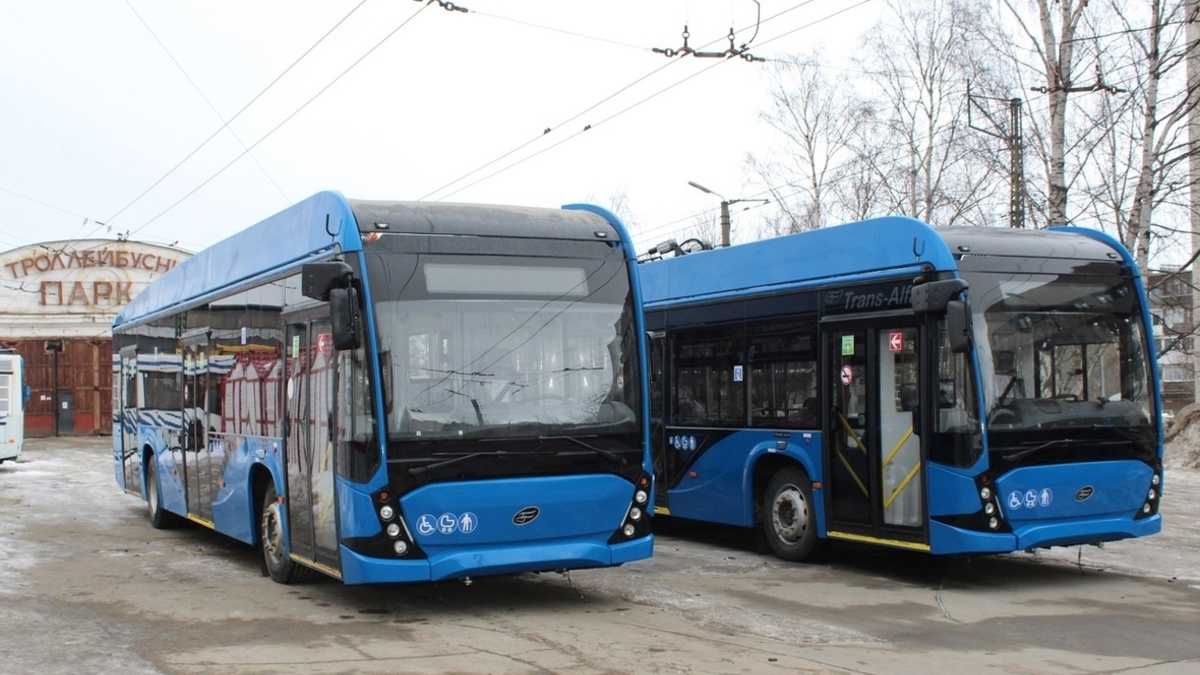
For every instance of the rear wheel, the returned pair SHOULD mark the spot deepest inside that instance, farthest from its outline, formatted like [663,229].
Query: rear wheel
[788,518]
[160,518]
[274,550]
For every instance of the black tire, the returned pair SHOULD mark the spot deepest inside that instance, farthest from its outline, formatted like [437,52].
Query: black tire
[787,514]
[275,558]
[160,518]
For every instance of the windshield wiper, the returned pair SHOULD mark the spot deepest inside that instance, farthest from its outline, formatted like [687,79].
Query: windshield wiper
[1066,442]
[418,470]
[434,466]
[607,454]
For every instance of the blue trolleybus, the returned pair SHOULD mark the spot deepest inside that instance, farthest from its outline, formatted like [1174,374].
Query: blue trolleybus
[396,392]
[948,390]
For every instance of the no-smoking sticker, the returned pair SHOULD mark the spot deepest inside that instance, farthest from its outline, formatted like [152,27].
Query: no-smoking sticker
[847,375]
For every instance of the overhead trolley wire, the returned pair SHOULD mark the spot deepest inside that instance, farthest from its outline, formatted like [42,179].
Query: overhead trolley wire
[621,112]
[286,119]
[370,51]
[226,124]
[559,30]
[551,128]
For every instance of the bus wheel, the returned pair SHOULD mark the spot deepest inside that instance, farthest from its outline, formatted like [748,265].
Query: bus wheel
[788,518]
[275,555]
[160,518]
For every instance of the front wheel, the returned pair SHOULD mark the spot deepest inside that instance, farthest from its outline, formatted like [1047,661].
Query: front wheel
[788,518]
[274,552]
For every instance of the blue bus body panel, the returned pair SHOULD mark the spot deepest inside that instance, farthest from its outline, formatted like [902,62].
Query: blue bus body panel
[719,486]
[1065,504]
[468,529]
[234,507]
[950,492]
[267,247]
[889,244]
[358,569]
[1041,506]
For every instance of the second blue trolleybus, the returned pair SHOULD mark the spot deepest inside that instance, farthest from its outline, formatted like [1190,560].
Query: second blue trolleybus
[948,390]
[396,392]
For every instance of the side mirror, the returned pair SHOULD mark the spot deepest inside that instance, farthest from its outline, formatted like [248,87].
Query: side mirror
[958,326]
[318,279]
[933,296]
[345,318]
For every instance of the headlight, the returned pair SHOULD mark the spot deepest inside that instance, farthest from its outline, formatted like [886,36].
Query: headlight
[401,547]
[1145,508]
[635,513]
[993,522]
[641,496]
[985,493]
[386,512]
[989,508]
[393,530]
[1155,480]
[628,529]
[1152,494]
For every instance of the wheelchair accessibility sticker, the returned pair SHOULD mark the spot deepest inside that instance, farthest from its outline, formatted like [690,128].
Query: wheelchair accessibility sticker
[1030,499]
[447,523]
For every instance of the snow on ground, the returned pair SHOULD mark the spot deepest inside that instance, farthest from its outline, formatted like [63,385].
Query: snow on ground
[1182,453]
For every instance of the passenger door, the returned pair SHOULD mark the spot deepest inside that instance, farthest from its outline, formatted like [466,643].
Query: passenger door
[197,466]
[127,421]
[310,369]
[874,461]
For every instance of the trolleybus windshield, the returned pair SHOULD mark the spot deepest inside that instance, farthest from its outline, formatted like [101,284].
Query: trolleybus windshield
[1063,354]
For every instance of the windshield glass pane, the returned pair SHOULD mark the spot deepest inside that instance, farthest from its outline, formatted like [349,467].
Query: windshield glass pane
[498,353]
[1065,351]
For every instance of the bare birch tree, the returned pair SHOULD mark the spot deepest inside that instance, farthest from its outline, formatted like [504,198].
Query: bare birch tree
[920,146]
[817,120]
[1134,175]
[1053,39]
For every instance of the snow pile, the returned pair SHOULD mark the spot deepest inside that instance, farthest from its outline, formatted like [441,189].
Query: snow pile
[1182,451]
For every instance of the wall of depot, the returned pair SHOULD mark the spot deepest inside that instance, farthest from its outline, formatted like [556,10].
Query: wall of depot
[66,294]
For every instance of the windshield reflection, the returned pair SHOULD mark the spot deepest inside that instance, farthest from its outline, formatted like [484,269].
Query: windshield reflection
[456,367]
[1060,351]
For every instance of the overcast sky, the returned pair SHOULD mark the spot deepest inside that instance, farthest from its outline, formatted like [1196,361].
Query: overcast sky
[107,105]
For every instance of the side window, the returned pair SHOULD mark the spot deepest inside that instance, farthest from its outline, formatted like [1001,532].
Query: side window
[783,376]
[355,416]
[709,380]
[903,372]
[245,360]
[956,418]
[657,342]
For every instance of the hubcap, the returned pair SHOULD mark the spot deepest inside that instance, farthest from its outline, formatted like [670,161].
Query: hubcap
[152,489]
[272,536]
[790,514]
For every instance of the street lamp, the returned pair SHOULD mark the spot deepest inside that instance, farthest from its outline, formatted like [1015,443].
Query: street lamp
[724,209]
